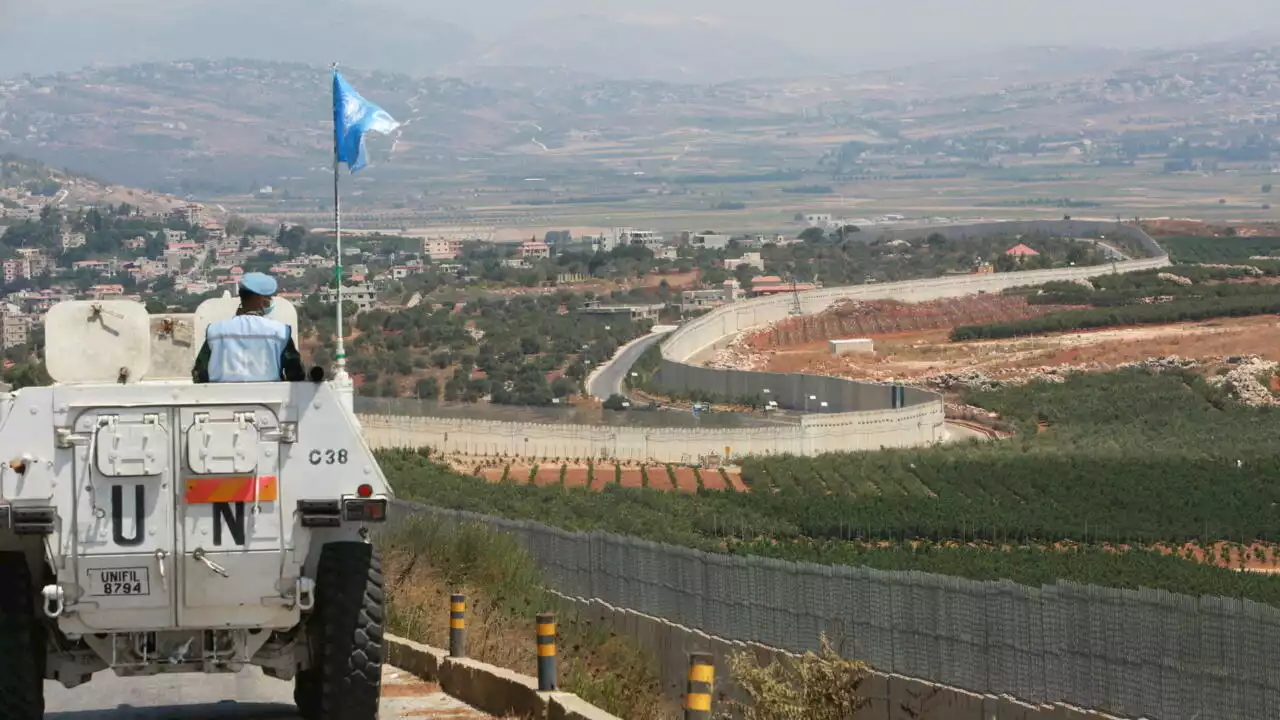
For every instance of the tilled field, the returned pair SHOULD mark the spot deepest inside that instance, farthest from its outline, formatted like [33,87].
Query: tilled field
[598,476]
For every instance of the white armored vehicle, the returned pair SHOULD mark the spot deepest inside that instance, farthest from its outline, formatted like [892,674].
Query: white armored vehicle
[149,524]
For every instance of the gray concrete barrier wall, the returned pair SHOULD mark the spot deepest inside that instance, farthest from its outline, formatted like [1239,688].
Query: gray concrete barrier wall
[862,417]
[694,343]
[835,432]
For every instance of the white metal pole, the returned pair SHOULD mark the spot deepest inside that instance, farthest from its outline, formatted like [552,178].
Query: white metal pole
[341,381]
[341,355]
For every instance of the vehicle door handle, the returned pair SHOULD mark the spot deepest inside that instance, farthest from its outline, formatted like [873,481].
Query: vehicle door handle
[199,554]
[160,557]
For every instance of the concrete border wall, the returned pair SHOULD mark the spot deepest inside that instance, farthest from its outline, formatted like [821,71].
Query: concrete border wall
[698,339]
[901,410]
[866,416]
[918,425]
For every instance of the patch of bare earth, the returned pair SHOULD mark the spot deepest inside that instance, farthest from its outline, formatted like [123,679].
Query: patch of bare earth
[605,474]
[711,479]
[547,475]
[575,476]
[657,477]
[917,355]
[686,480]
[519,474]
[632,478]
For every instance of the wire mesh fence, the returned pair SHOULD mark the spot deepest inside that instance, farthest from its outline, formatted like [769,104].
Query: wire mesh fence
[1136,653]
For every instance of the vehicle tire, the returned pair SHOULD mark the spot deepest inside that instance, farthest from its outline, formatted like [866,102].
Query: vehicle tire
[306,693]
[350,612]
[22,649]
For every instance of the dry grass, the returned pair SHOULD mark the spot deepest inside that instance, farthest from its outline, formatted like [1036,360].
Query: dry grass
[427,561]
[814,686]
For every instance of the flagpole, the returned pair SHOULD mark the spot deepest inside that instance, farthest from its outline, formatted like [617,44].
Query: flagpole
[341,355]
[341,379]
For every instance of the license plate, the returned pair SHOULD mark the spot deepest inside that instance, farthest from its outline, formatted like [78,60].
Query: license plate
[119,582]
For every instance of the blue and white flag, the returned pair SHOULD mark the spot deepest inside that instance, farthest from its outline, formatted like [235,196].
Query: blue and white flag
[353,116]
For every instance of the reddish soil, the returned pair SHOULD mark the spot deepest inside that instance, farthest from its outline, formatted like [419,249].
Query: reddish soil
[632,478]
[547,475]
[711,479]
[735,480]
[519,474]
[883,318]
[605,474]
[575,476]
[906,356]
[1257,557]
[686,479]
[658,478]
[1162,228]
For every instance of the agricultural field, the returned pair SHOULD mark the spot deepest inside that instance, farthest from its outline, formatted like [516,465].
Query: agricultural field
[1130,478]
[1230,249]
[554,472]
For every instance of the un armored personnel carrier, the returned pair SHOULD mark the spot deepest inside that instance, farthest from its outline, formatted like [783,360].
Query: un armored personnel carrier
[152,525]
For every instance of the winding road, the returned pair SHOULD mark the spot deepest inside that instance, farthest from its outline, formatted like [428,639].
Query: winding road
[608,380]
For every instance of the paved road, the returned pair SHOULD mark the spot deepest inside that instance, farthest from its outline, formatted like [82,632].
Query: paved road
[248,695]
[609,380]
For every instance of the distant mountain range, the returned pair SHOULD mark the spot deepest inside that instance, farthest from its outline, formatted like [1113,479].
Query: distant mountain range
[227,126]
[399,38]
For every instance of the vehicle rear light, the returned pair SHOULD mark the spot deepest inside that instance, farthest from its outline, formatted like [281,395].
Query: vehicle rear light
[365,490]
[365,510]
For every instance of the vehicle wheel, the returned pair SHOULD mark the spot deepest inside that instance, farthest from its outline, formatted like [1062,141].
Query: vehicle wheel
[306,693]
[22,649]
[349,611]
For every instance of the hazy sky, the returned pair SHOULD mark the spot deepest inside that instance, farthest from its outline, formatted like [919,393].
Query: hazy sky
[64,34]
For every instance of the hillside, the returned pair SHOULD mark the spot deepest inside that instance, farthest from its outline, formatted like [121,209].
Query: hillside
[26,181]
[224,127]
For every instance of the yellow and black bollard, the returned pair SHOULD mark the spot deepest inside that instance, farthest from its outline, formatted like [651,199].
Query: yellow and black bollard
[458,626]
[702,676]
[546,652]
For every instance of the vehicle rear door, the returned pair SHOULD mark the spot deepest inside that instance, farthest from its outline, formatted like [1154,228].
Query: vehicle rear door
[122,564]
[232,538]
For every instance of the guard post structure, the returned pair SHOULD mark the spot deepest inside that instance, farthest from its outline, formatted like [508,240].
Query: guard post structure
[458,626]
[702,675]
[546,652]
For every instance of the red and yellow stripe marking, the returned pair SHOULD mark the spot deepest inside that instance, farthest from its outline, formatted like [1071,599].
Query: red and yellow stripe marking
[231,488]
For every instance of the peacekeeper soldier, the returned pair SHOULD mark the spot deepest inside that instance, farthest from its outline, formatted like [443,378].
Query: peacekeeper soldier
[250,347]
